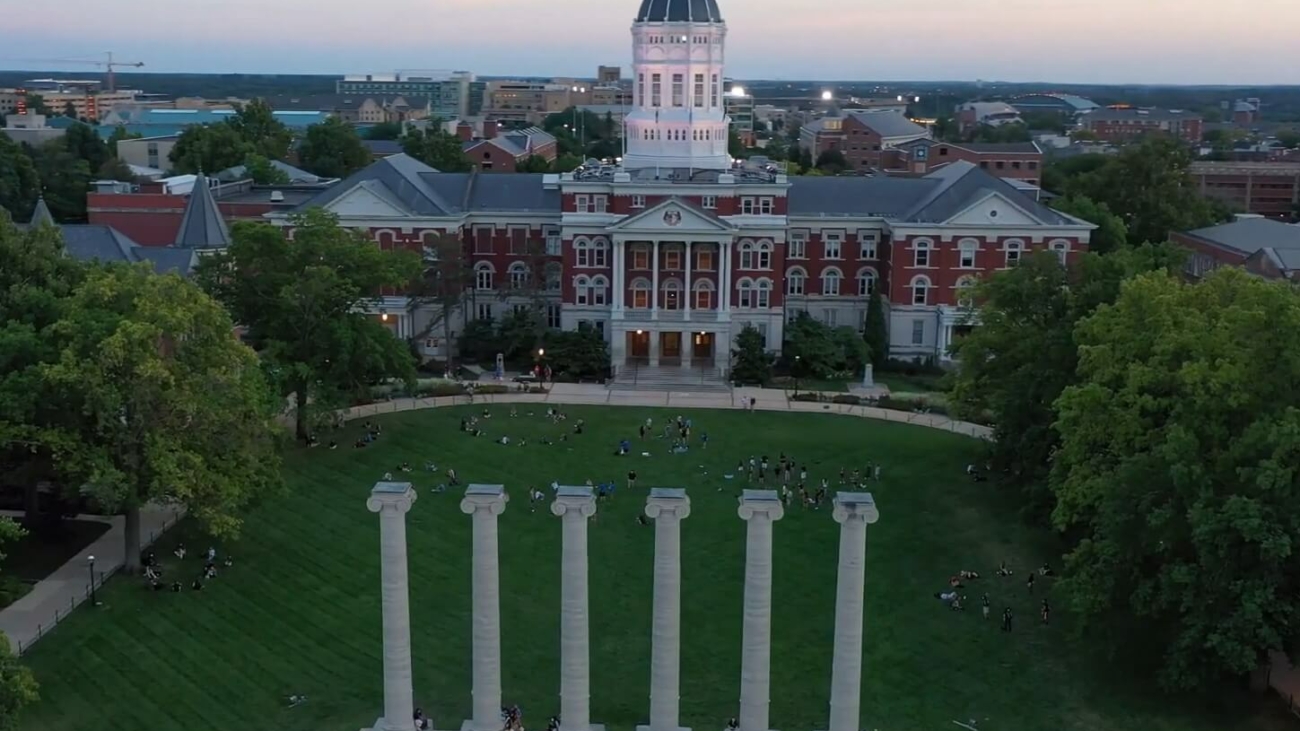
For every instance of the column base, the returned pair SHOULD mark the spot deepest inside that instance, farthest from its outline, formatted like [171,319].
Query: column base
[592,727]
[651,728]
[380,725]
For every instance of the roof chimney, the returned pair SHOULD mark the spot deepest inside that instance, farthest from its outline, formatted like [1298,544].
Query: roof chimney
[464,131]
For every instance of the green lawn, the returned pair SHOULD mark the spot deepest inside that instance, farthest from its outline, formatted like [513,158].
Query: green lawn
[299,612]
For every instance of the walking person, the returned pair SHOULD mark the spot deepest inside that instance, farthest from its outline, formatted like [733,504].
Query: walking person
[984,603]
[1029,582]
[1006,619]
[631,479]
[1046,612]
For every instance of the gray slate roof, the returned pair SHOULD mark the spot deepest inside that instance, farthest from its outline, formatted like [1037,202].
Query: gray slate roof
[962,184]
[41,215]
[1252,234]
[843,197]
[383,147]
[296,175]
[698,11]
[994,147]
[202,227]
[1160,115]
[92,242]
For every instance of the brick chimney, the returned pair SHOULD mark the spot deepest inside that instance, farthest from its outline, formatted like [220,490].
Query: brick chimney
[464,131]
[490,128]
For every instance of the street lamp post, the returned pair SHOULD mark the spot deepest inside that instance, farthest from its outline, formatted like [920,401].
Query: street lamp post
[90,563]
[797,359]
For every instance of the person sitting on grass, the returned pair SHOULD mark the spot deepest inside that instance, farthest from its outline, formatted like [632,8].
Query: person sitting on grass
[1003,570]
[210,571]
[421,722]
[152,574]
[452,478]
[197,585]
[333,444]
[641,519]
[1046,570]
[359,444]
[405,467]
[180,550]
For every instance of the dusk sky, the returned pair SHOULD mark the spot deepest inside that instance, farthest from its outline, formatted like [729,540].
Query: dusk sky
[1152,41]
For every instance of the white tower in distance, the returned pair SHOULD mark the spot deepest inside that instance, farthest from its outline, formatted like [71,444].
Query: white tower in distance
[678,118]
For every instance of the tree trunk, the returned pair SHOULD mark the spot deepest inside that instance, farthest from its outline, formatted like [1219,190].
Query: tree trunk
[132,560]
[300,411]
[31,503]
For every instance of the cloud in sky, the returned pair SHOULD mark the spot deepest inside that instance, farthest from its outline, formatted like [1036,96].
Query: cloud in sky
[1166,41]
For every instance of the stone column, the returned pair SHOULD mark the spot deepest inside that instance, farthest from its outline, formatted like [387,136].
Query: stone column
[688,348]
[724,277]
[485,503]
[654,280]
[690,290]
[759,509]
[574,505]
[667,507]
[616,278]
[654,347]
[853,511]
[392,500]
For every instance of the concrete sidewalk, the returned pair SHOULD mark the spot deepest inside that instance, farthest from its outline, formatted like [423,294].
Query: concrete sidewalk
[55,596]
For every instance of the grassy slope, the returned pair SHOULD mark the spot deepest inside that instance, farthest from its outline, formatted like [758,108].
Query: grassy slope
[299,612]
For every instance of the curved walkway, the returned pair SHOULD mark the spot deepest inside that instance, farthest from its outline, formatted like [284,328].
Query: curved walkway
[594,395]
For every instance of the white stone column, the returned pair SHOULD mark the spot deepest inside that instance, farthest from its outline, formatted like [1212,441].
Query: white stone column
[688,348]
[667,507]
[759,509]
[654,280]
[484,503]
[654,347]
[724,277]
[853,511]
[617,276]
[574,505]
[392,500]
[690,291]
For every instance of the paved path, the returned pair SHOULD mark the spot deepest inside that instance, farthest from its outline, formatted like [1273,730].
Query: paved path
[594,395]
[27,619]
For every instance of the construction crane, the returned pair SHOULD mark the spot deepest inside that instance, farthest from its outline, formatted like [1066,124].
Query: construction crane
[108,64]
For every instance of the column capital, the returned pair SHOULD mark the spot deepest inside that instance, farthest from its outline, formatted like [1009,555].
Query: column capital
[667,502]
[490,499]
[858,507]
[763,504]
[576,501]
[391,497]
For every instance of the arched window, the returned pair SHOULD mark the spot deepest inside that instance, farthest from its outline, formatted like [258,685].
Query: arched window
[483,276]
[831,279]
[1061,248]
[519,275]
[747,254]
[866,282]
[920,287]
[599,253]
[599,290]
[921,249]
[582,252]
[1014,249]
[763,255]
[763,288]
[581,290]
[703,294]
[641,294]
[672,294]
[967,249]
[966,291]
[640,256]
[554,271]
[796,282]
[745,287]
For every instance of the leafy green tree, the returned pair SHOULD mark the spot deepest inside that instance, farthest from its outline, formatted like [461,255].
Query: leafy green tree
[208,148]
[162,403]
[566,163]
[20,184]
[1001,133]
[267,136]
[519,334]
[946,129]
[579,354]
[115,169]
[36,105]
[805,160]
[815,349]
[1290,138]
[479,342]
[534,164]
[1110,235]
[1149,187]
[332,149]
[120,133]
[438,149]
[1059,174]
[302,303]
[84,142]
[876,332]
[70,110]
[751,361]
[736,146]
[832,162]
[446,278]
[777,149]
[1177,472]
[65,179]
[18,687]
[263,172]
[385,131]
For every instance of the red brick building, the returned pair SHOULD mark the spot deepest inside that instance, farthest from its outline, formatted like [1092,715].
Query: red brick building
[1267,188]
[504,152]
[1126,125]
[1011,160]
[864,136]
[1268,248]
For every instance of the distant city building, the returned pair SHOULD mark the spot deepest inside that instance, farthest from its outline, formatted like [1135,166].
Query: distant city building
[162,122]
[493,150]
[1266,188]
[149,152]
[32,129]
[1067,105]
[1270,249]
[87,98]
[863,135]
[357,108]
[1021,161]
[1245,112]
[609,74]
[993,114]
[451,94]
[739,104]
[530,102]
[1126,125]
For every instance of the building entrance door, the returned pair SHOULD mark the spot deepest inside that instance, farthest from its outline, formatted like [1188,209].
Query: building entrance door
[638,347]
[702,348]
[670,348]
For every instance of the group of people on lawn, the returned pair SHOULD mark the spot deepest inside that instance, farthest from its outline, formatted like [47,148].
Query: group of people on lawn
[957,601]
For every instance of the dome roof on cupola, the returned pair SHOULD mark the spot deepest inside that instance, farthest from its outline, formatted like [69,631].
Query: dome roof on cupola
[679,11]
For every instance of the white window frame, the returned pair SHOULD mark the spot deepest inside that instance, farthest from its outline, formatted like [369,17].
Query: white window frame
[638,201]
[519,275]
[582,290]
[918,331]
[964,287]
[581,253]
[600,203]
[484,276]
[766,205]
[745,287]
[484,311]
[746,254]
[797,247]
[554,245]
[709,202]
[968,251]
[748,206]
[763,288]
[796,282]
[867,282]
[832,282]
[833,245]
[1061,248]
[1014,251]
[920,287]
[867,241]
[763,254]
[921,251]
[599,290]
[599,253]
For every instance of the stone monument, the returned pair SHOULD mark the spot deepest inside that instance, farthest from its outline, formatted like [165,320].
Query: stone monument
[392,500]
[484,503]
[574,506]
[759,509]
[854,511]
[667,507]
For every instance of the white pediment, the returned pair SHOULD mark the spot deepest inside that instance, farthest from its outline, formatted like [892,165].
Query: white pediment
[672,217]
[363,202]
[994,210]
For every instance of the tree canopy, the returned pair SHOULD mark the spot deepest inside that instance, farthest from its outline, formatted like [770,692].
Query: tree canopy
[18,687]
[20,185]
[436,148]
[262,172]
[815,349]
[256,125]
[302,303]
[65,179]
[332,149]
[751,363]
[1177,471]
[1111,233]
[208,148]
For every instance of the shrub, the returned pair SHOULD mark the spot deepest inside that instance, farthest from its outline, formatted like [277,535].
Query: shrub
[845,398]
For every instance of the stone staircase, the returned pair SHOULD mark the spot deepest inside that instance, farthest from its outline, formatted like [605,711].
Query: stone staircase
[669,378]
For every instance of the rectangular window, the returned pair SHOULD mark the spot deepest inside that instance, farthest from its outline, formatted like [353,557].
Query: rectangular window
[483,240]
[600,203]
[553,317]
[921,256]
[640,85]
[640,258]
[833,243]
[828,317]
[641,299]
[552,234]
[519,309]
[918,332]
[1013,256]
[717,96]
[699,90]
[484,311]
[518,240]
[704,259]
[709,202]
[678,90]
[967,259]
[656,89]
[672,260]
[766,206]
[638,201]
[703,299]
[581,203]
[798,245]
[747,206]
[866,245]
